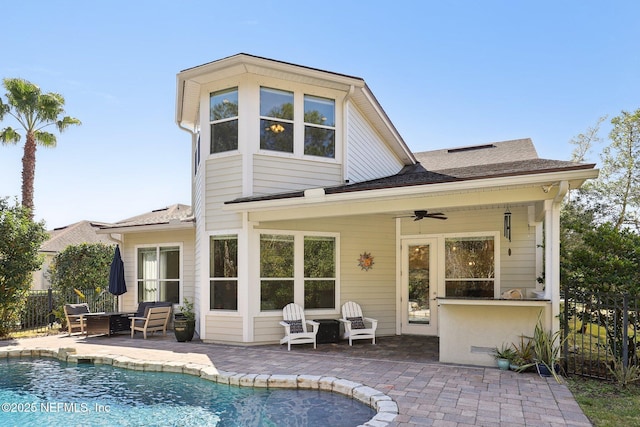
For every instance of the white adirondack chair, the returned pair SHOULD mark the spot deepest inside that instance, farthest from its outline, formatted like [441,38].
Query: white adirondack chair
[295,327]
[355,327]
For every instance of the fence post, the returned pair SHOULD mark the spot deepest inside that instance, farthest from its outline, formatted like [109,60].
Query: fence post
[565,326]
[625,330]
[52,317]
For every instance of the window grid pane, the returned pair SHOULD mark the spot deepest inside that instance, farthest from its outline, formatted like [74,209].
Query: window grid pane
[276,103]
[275,294]
[276,256]
[223,295]
[223,261]
[470,267]
[223,104]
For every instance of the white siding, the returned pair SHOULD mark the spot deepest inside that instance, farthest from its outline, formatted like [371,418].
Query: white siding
[223,328]
[224,183]
[368,156]
[374,290]
[185,237]
[274,174]
[516,270]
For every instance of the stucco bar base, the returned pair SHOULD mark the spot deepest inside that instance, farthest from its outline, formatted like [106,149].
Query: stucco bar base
[471,329]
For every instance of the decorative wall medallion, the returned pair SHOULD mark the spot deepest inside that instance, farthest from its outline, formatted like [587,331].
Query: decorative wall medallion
[366,261]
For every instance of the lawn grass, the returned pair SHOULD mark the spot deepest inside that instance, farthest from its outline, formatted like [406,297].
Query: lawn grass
[606,403]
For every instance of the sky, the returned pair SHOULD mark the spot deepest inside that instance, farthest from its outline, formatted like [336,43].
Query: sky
[448,74]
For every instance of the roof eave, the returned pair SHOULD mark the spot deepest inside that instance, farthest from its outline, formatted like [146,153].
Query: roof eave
[146,228]
[575,177]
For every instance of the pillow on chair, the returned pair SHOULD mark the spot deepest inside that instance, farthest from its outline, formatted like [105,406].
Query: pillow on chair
[356,322]
[295,326]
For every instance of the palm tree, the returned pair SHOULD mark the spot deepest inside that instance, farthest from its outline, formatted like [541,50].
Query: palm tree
[34,111]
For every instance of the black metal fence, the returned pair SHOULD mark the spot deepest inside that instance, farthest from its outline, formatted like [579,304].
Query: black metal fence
[43,311]
[599,330]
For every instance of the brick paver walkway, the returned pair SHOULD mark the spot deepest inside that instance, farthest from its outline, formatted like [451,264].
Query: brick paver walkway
[428,393]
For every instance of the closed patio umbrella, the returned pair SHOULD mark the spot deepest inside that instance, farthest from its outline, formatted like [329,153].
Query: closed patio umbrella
[117,285]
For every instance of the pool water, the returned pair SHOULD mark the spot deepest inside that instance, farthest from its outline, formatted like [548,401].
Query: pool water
[42,392]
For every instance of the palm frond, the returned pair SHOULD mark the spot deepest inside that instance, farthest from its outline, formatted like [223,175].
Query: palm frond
[9,136]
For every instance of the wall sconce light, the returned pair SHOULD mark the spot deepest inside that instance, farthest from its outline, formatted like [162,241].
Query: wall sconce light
[507,224]
[276,128]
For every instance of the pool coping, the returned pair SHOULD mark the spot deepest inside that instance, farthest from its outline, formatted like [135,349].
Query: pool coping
[385,407]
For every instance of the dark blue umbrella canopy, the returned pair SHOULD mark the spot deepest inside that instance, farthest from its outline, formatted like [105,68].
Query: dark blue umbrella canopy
[117,285]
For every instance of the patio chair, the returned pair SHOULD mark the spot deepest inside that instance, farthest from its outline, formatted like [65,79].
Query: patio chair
[74,315]
[354,323]
[295,327]
[155,320]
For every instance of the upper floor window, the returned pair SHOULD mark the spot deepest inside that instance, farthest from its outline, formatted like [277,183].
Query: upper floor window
[196,156]
[279,111]
[319,126]
[159,274]
[223,115]
[276,120]
[223,272]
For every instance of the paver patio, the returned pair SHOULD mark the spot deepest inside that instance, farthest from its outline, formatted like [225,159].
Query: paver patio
[405,368]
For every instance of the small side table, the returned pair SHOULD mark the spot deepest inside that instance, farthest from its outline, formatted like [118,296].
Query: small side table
[328,332]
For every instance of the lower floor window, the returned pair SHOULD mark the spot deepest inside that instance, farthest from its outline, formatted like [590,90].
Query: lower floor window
[223,272]
[159,274]
[470,266]
[298,268]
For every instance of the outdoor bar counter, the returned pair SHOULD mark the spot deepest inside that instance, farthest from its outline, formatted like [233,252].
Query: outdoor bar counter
[471,328]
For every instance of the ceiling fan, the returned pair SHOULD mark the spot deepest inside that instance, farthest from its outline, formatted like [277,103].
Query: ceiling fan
[418,215]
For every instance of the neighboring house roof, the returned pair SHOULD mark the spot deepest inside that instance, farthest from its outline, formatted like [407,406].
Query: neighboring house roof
[174,216]
[479,165]
[74,234]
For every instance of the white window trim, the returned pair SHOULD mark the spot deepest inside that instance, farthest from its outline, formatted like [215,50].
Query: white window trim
[298,279]
[496,255]
[222,312]
[162,245]
[299,124]
[441,238]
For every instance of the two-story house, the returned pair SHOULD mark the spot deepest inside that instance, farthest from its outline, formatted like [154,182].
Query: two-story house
[303,191]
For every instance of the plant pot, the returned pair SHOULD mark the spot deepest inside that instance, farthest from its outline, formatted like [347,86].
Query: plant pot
[503,364]
[183,328]
[544,371]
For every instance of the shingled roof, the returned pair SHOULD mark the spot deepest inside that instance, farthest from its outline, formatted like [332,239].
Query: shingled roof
[74,234]
[454,165]
[174,214]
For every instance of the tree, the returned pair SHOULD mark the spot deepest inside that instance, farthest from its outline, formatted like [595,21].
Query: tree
[583,142]
[34,111]
[83,269]
[619,181]
[20,240]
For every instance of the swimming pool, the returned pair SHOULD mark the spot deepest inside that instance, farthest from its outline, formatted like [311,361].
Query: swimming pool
[47,391]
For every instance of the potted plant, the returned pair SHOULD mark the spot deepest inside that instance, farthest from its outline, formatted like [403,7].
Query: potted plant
[184,322]
[523,355]
[547,351]
[504,356]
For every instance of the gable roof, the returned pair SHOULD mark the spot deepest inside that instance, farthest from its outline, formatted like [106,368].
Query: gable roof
[475,163]
[174,216]
[74,234]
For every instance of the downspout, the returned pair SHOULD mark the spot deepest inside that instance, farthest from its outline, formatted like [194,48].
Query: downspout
[200,323]
[345,114]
